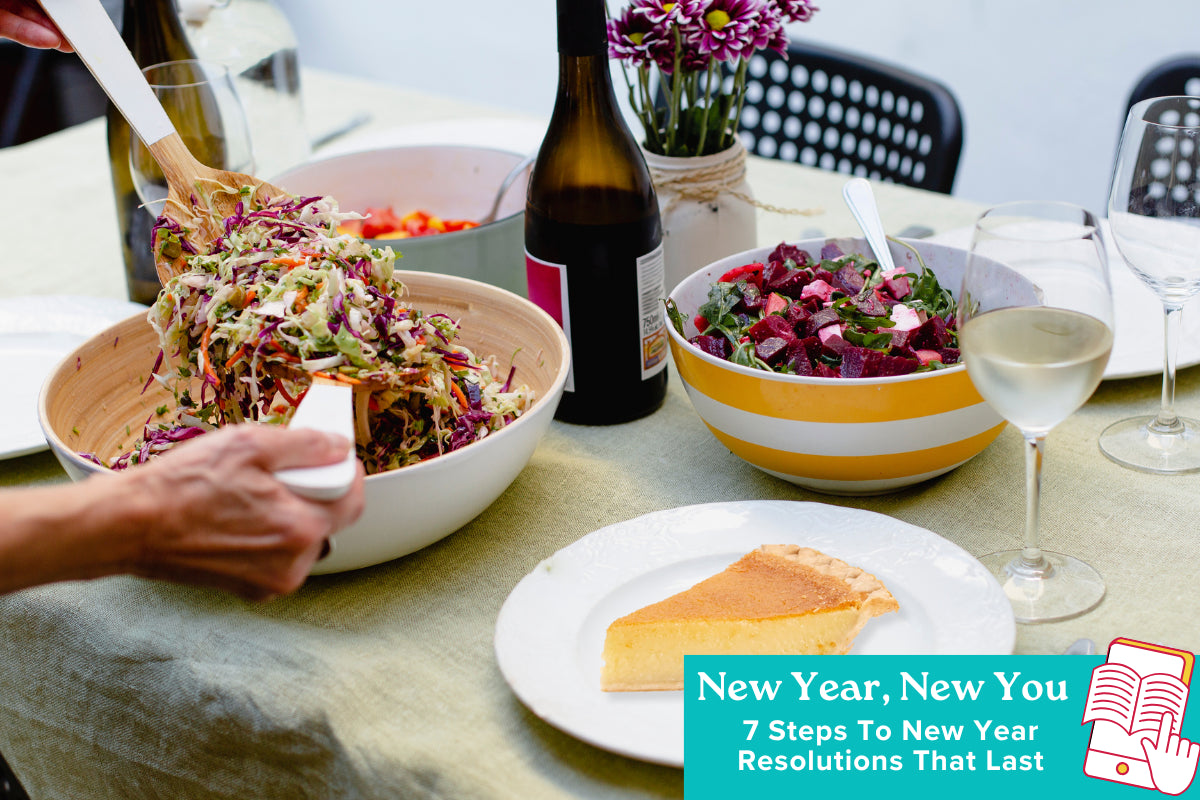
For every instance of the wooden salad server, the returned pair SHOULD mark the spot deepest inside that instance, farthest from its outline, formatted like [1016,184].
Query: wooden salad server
[199,197]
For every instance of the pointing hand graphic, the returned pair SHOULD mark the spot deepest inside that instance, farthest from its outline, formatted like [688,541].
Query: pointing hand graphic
[1172,758]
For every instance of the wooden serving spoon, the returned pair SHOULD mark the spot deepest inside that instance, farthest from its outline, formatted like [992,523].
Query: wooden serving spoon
[199,197]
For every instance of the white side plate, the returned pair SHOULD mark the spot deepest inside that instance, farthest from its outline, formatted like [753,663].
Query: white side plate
[36,332]
[550,632]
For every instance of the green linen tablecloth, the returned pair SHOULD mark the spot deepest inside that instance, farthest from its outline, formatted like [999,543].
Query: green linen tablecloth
[382,683]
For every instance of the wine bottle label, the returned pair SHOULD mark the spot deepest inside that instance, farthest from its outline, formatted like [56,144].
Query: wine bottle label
[547,283]
[651,272]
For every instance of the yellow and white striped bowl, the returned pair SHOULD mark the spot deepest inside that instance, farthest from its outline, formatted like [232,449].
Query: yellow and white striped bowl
[837,435]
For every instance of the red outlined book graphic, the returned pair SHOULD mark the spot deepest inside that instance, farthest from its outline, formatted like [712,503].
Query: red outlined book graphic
[1127,699]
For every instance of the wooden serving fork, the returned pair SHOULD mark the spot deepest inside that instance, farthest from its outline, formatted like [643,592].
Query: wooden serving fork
[199,197]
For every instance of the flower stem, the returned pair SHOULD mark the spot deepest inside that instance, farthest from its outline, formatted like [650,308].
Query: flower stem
[648,112]
[707,98]
[676,90]
[739,92]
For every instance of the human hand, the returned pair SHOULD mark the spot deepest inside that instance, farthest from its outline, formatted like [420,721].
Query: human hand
[1172,758]
[24,22]
[215,514]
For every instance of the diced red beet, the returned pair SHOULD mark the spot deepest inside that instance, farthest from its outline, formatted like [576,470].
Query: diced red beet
[800,364]
[809,348]
[772,350]
[872,306]
[835,344]
[854,360]
[752,298]
[950,355]
[848,279]
[792,283]
[932,335]
[862,362]
[796,315]
[713,345]
[772,272]
[775,303]
[826,316]
[823,370]
[769,326]
[831,250]
[785,252]
[822,275]
[898,286]
[812,305]
[899,339]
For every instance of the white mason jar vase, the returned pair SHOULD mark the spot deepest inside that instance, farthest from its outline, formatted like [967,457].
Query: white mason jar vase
[707,208]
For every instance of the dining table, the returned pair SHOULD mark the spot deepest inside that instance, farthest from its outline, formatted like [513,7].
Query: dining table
[383,682]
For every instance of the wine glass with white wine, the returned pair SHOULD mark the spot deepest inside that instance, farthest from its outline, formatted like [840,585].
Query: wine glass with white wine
[1036,330]
[1154,214]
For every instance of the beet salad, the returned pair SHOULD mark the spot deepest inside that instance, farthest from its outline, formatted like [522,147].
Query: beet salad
[842,316]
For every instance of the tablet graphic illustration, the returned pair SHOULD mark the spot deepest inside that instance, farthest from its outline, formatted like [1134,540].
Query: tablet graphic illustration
[1136,702]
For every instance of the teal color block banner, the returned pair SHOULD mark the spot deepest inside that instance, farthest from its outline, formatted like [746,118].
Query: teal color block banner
[791,726]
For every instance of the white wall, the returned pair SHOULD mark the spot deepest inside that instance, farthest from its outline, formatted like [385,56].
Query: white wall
[1042,83]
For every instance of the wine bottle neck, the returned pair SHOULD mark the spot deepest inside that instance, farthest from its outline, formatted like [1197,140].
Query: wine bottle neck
[154,33]
[581,28]
[584,81]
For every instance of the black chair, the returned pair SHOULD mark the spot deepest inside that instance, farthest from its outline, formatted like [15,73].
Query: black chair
[838,111]
[1178,75]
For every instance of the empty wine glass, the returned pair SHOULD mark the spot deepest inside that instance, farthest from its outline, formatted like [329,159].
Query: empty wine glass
[1036,330]
[1154,213]
[201,101]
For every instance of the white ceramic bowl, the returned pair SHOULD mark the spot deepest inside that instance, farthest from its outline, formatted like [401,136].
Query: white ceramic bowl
[452,182]
[839,435]
[95,395]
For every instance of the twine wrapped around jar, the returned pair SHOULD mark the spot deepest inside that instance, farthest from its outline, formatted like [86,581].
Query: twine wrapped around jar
[707,208]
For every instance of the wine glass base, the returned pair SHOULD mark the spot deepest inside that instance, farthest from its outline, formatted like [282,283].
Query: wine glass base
[1065,587]
[1135,444]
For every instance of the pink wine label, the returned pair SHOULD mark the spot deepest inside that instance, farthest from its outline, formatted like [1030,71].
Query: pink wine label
[547,283]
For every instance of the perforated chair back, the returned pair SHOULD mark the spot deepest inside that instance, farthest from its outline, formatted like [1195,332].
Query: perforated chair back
[1175,76]
[837,111]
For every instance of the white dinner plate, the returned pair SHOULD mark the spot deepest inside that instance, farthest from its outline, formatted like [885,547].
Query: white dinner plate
[36,332]
[550,632]
[1137,317]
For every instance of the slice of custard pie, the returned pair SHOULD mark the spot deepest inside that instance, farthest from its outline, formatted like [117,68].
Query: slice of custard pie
[778,600]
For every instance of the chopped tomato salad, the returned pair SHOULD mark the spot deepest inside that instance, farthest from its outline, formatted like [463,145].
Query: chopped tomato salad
[383,223]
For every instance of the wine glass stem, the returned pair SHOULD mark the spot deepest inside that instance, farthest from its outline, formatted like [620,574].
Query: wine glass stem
[1032,563]
[1167,422]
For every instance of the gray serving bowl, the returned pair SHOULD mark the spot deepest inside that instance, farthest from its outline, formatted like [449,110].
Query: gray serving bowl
[452,182]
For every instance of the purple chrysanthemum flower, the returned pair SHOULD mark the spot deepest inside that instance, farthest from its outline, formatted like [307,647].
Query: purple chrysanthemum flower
[767,31]
[727,27]
[670,12]
[795,10]
[634,39]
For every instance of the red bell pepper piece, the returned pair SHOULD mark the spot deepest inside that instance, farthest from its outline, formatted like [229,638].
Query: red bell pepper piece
[749,272]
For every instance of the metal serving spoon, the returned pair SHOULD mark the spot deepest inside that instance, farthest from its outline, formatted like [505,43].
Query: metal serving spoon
[203,195]
[861,201]
[505,185]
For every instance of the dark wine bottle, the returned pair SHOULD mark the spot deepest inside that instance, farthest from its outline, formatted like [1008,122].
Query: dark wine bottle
[593,237]
[154,34]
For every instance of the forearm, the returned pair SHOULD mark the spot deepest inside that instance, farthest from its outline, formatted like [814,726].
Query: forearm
[69,532]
